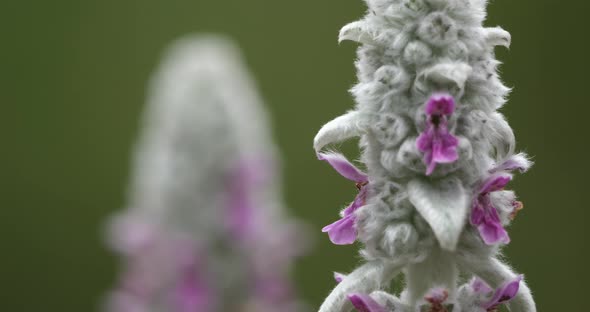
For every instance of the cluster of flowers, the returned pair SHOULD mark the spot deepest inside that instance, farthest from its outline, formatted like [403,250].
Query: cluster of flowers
[205,228]
[438,155]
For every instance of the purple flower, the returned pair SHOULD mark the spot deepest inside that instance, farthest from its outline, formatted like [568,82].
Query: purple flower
[485,216]
[191,294]
[273,289]
[502,295]
[364,303]
[342,232]
[436,142]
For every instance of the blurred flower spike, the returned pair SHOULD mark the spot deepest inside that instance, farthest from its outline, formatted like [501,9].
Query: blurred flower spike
[205,228]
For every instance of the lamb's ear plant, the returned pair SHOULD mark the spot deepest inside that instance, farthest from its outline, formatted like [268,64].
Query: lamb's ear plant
[437,153]
[205,227]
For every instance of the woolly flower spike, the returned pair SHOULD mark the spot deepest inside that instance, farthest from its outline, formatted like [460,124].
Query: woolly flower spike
[437,144]
[205,228]
[342,232]
[485,216]
[436,151]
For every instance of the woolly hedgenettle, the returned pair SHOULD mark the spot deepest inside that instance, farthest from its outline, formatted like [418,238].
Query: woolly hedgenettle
[205,228]
[437,154]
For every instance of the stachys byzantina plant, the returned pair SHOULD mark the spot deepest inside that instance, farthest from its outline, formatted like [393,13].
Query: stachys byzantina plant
[205,228]
[438,154]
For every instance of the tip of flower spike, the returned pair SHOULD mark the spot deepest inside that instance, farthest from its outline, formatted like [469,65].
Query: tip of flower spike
[440,104]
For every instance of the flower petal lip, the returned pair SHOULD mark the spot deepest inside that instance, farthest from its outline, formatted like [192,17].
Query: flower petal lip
[342,232]
[365,303]
[440,104]
[436,142]
[504,293]
[344,167]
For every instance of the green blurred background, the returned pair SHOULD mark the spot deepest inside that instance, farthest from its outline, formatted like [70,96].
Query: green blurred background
[74,74]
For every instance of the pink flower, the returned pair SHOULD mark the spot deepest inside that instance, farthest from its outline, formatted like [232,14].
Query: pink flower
[501,295]
[436,142]
[342,232]
[485,216]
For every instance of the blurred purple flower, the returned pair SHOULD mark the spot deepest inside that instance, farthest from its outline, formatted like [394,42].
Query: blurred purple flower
[192,293]
[242,185]
[436,142]
[342,232]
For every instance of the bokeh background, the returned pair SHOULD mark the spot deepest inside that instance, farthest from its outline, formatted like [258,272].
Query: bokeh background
[74,76]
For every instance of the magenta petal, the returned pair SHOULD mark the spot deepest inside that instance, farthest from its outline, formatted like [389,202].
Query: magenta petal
[445,151]
[493,234]
[344,167]
[342,232]
[505,293]
[495,183]
[477,215]
[364,303]
[491,229]
[358,202]
[339,277]
[424,141]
